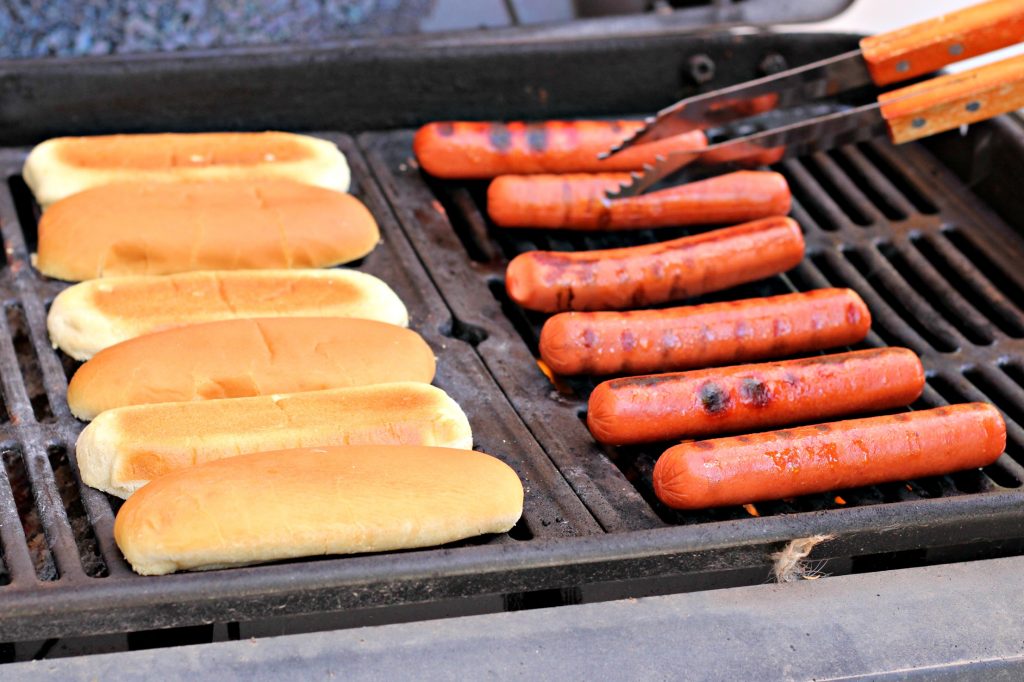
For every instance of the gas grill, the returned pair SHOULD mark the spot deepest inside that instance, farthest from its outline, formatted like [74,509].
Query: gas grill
[929,235]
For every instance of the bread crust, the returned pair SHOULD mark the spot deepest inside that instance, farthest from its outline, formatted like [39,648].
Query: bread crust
[90,316]
[160,228]
[245,358]
[60,167]
[315,501]
[125,448]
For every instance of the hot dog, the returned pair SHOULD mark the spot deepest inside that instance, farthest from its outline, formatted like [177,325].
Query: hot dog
[614,279]
[751,397]
[813,459]
[645,341]
[471,149]
[578,202]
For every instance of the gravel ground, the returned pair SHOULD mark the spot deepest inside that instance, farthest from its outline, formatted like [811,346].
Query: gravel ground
[40,28]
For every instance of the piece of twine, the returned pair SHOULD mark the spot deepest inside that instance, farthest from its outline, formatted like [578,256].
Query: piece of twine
[791,563]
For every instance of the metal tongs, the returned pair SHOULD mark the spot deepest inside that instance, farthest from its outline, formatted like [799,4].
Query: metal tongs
[905,114]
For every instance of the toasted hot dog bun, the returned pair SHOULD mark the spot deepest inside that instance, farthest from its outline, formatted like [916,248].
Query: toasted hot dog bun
[332,500]
[159,228]
[90,316]
[64,166]
[125,448]
[244,358]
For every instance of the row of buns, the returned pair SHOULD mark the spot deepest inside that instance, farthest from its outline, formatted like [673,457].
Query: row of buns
[248,406]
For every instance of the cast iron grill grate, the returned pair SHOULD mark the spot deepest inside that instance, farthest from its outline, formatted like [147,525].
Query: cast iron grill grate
[56,531]
[933,264]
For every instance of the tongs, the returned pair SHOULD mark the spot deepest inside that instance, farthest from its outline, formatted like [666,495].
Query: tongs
[909,113]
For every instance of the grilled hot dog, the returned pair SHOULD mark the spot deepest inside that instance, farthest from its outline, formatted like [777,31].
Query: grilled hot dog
[688,337]
[578,202]
[814,459]
[611,279]
[471,149]
[751,397]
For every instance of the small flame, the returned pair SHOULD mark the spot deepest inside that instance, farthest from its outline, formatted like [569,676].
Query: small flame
[751,509]
[840,500]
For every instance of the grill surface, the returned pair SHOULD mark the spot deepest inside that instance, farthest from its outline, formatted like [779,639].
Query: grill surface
[935,268]
[934,264]
[64,539]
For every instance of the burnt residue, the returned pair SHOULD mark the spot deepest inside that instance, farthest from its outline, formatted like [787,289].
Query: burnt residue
[537,137]
[713,399]
[754,392]
[85,537]
[28,514]
[501,137]
[628,341]
[446,129]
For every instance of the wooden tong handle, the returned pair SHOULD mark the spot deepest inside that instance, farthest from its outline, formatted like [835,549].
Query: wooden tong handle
[930,45]
[950,101]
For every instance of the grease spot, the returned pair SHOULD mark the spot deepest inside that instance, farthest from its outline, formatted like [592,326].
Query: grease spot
[446,129]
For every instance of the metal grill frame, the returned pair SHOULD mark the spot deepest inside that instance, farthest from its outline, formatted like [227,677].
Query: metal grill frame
[587,542]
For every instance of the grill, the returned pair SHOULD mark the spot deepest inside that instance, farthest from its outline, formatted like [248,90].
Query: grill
[933,257]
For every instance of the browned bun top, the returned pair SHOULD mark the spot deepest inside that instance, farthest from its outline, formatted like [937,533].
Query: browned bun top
[158,228]
[241,358]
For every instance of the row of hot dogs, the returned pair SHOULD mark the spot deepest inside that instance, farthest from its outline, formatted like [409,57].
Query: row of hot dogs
[690,384]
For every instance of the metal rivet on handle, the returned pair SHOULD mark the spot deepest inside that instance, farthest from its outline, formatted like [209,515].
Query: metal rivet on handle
[973,106]
[903,66]
[956,49]
[918,123]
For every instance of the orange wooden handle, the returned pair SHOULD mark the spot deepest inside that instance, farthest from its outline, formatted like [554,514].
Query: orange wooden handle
[930,45]
[949,101]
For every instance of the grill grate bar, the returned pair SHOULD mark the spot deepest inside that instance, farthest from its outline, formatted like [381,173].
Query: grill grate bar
[886,321]
[12,536]
[872,183]
[892,164]
[812,208]
[912,306]
[939,291]
[974,281]
[841,189]
[52,514]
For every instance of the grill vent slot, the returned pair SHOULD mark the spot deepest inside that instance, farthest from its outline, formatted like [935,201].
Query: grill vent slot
[838,187]
[870,182]
[808,210]
[28,362]
[900,181]
[31,523]
[85,538]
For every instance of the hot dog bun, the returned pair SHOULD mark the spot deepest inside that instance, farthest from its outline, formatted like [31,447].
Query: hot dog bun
[125,448]
[64,166]
[244,358]
[159,228]
[90,316]
[330,500]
